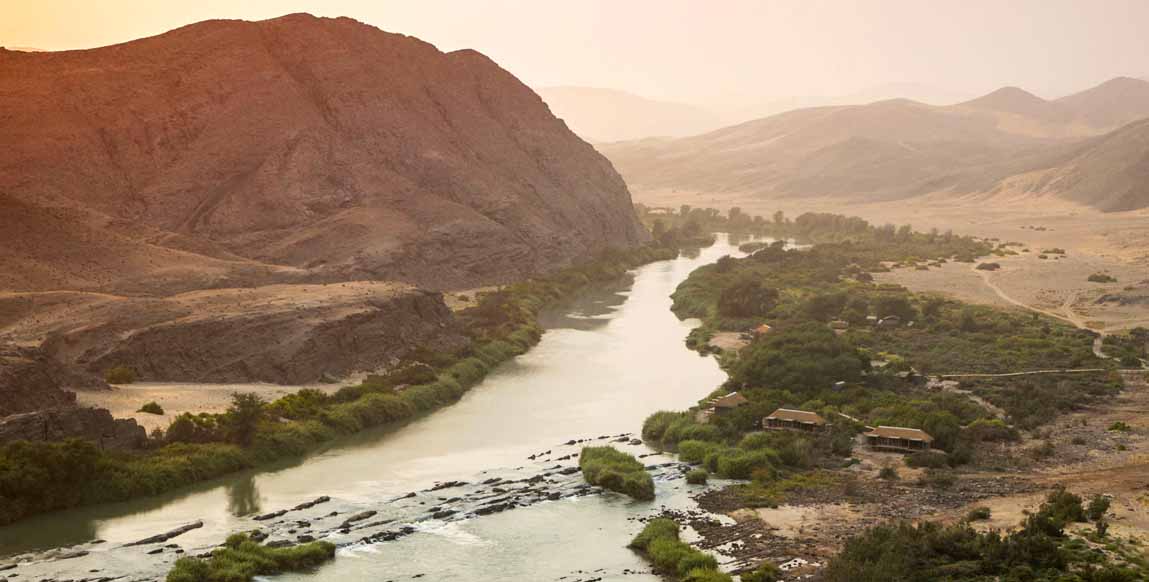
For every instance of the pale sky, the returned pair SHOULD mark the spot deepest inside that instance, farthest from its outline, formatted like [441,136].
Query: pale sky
[694,51]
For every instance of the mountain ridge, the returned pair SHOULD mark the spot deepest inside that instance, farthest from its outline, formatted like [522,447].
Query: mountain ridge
[887,150]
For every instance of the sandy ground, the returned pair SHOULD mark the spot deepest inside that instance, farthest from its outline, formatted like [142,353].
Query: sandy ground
[1096,242]
[176,399]
[728,340]
[1109,463]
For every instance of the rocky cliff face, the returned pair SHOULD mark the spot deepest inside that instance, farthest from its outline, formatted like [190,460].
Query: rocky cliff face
[91,424]
[321,144]
[286,334]
[30,380]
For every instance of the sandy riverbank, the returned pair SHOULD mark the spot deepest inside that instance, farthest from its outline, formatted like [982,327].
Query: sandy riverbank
[175,398]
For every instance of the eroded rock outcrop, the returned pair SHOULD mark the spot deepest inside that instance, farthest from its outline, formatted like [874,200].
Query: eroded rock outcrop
[30,380]
[90,424]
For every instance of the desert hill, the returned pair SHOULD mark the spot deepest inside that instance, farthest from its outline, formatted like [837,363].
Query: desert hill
[267,201]
[1111,104]
[322,144]
[885,150]
[1110,172]
[606,115]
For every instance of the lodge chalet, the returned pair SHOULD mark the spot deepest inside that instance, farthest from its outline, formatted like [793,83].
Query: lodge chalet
[896,438]
[721,405]
[796,420]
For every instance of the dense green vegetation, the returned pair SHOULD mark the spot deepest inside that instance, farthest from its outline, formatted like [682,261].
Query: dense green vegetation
[241,559]
[1041,550]
[687,225]
[826,352]
[659,543]
[612,469]
[800,362]
[44,476]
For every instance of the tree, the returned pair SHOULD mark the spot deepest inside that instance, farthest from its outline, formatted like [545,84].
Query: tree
[243,416]
[898,305]
[658,229]
[804,358]
[779,218]
[747,298]
[826,306]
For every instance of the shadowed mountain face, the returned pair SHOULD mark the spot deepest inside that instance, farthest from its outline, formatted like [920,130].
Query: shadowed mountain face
[900,148]
[301,147]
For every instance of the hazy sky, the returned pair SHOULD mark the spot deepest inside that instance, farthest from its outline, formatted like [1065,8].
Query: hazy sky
[699,51]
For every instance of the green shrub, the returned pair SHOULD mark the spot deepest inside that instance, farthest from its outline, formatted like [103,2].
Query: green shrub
[241,560]
[306,403]
[1098,507]
[612,469]
[888,474]
[658,542]
[655,426]
[697,476]
[765,572]
[1102,278]
[152,408]
[927,459]
[120,375]
[978,514]
[694,452]
[739,464]
[658,528]
[1119,426]
[703,575]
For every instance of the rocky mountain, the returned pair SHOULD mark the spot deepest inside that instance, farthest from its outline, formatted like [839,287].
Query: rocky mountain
[319,144]
[240,201]
[887,150]
[606,115]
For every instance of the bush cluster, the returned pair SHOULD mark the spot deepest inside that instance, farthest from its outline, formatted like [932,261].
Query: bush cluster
[659,543]
[613,469]
[241,560]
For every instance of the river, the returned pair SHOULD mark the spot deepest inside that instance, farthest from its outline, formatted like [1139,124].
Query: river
[607,360]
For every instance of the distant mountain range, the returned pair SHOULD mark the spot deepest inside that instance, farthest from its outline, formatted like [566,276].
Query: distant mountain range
[1073,147]
[606,115]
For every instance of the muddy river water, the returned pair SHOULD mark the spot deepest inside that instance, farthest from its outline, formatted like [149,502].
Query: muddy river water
[607,360]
